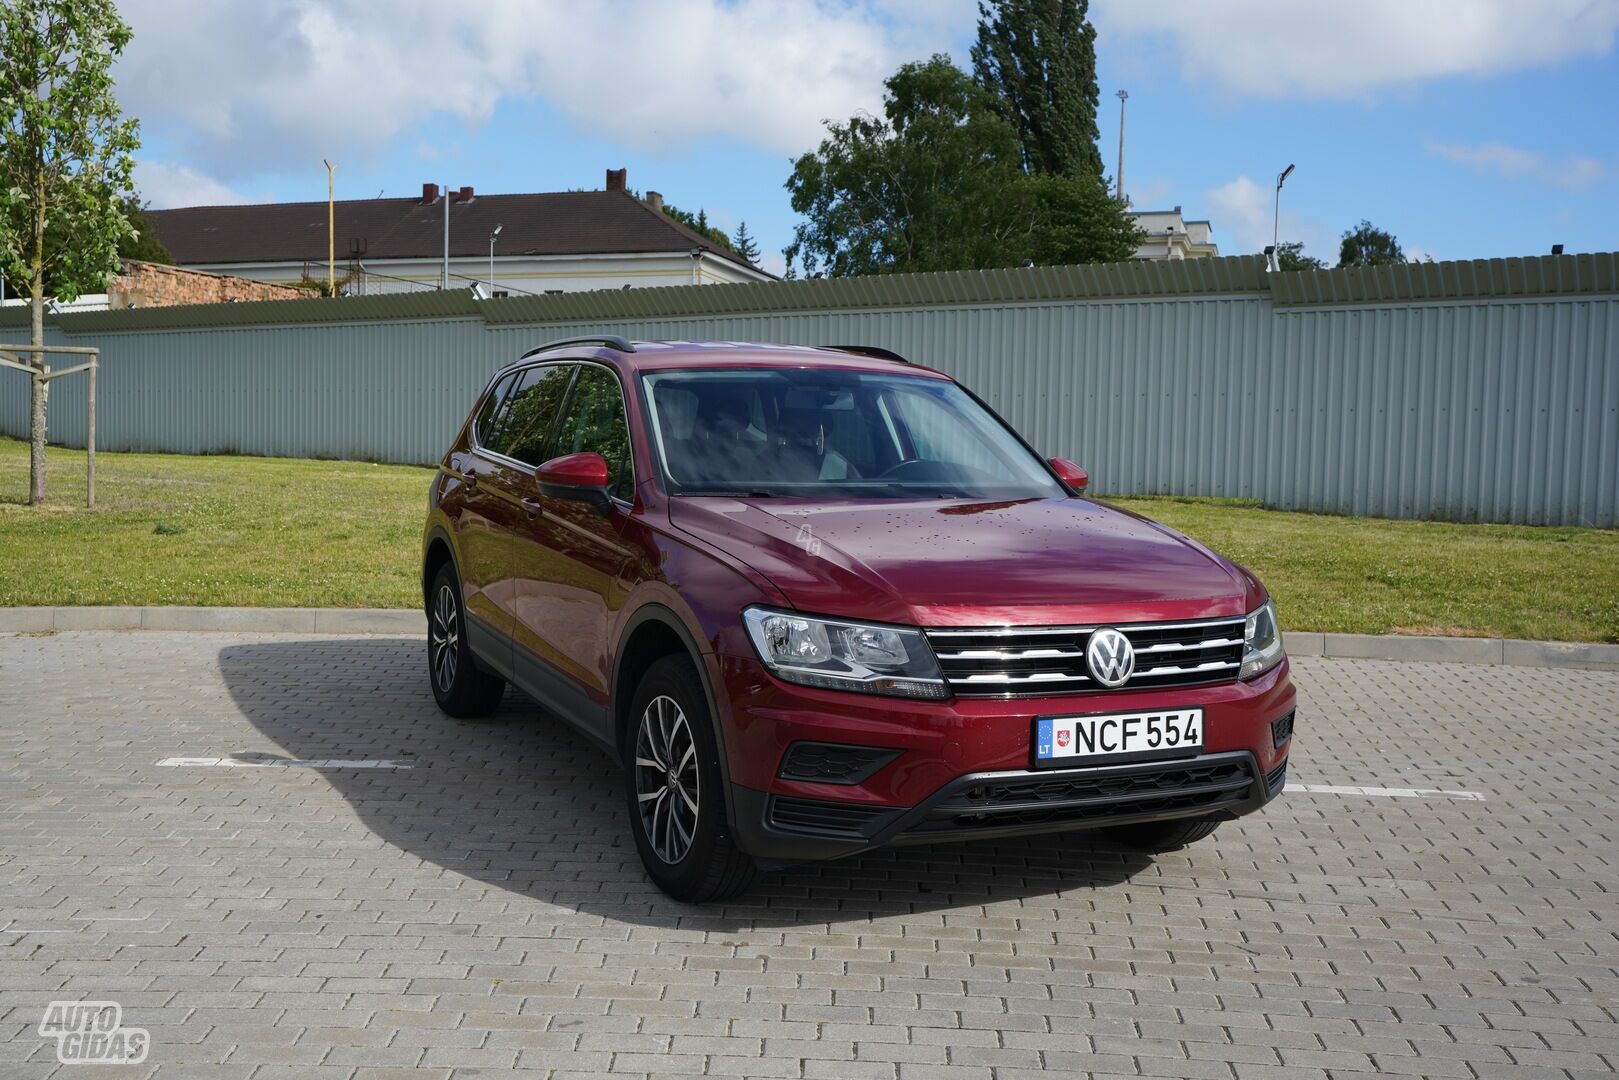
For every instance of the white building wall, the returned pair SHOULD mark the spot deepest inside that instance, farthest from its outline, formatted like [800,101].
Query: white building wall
[517,274]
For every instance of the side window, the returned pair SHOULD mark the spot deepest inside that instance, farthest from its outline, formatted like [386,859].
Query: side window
[595,421]
[525,424]
[483,429]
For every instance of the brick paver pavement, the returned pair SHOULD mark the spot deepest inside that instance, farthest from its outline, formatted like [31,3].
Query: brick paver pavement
[484,910]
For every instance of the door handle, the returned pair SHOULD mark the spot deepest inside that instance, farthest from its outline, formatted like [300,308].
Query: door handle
[470,477]
[533,506]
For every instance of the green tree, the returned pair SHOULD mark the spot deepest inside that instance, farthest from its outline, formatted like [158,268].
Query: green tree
[1367,245]
[66,158]
[142,242]
[698,223]
[1291,256]
[744,245]
[1037,59]
[938,184]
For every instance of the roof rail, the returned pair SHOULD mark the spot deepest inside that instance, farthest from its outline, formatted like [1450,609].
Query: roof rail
[609,340]
[870,350]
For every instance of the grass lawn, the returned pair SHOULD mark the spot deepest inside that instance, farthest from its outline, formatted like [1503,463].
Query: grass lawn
[217,531]
[293,533]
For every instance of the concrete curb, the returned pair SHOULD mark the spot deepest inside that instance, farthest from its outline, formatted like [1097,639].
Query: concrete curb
[218,620]
[1455,650]
[1450,650]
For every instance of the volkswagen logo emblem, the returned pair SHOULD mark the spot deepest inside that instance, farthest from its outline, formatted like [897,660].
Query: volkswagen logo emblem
[1110,657]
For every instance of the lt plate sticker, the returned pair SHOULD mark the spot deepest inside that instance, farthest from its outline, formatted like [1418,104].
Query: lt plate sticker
[1113,735]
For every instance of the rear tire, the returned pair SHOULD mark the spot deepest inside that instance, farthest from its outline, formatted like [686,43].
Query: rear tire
[1159,836]
[461,688]
[675,789]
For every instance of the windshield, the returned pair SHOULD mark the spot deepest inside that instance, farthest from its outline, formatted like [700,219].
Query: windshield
[804,432]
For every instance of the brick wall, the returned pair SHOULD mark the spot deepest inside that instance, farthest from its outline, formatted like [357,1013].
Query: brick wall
[144,284]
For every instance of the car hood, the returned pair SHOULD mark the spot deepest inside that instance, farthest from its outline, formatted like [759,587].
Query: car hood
[971,563]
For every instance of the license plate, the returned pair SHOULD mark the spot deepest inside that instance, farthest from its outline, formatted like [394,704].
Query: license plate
[1116,737]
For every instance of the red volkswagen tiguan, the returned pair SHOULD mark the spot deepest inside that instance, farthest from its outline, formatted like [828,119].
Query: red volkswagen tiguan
[818,600]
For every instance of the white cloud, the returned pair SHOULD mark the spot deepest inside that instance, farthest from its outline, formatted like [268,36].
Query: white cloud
[1284,48]
[1241,209]
[1572,173]
[241,87]
[1242,212]
[164,185]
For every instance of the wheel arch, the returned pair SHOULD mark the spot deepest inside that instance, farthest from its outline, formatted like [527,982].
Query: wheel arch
[653,632]
[437,551]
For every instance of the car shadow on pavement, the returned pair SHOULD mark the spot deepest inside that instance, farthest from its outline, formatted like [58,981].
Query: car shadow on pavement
[523,803]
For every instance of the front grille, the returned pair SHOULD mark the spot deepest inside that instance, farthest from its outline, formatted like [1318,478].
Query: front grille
[1021,661]
[827,819]
[1096,795]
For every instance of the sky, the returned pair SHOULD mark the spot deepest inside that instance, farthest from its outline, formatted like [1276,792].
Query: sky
[1468,128]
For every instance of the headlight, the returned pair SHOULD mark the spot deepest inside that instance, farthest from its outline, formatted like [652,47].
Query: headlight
[836,655]
[1261,642]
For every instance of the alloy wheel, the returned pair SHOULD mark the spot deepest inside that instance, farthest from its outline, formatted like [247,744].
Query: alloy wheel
[666,781]
[444,639]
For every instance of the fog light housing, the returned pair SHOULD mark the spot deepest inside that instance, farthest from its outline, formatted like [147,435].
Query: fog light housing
[1281,730]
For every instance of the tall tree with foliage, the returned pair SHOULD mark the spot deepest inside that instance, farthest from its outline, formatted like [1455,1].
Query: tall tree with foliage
[938,184]
[66,158]
[1367,245]
[1037,59]
[744,244]
[142,242]
[1291,256]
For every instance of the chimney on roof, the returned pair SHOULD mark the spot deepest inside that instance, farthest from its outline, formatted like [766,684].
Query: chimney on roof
[429,194]
[464,195]
[654,199]
[617,179]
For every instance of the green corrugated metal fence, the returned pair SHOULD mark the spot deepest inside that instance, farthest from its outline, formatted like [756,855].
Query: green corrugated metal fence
[1483,390]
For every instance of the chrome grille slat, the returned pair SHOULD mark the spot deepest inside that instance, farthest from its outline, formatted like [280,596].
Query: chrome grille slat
[1178,669]
[1173,646]
[1019,661]
[1009,654]
[1002,678]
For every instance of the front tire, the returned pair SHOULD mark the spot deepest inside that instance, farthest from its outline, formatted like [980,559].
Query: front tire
[461,688]
[1159,836]
[675,789]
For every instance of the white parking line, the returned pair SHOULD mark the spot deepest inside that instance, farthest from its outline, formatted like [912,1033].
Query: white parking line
[279,763]
[1386,792]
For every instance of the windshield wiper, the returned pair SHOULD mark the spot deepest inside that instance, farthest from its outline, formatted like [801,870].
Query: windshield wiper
[756,494]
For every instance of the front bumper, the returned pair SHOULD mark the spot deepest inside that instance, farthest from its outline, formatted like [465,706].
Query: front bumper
[962,769]
[985,806]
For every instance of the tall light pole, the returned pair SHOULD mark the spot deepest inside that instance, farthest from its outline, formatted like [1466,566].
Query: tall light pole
[1123,96]
[1276,222]
[492,236]
[331,231]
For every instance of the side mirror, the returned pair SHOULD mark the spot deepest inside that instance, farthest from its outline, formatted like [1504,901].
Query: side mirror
[580,477]
[1076,478]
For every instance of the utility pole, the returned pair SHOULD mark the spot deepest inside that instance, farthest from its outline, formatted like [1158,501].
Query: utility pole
[444,274]
[1276,222]
[1123,96]
[331,233]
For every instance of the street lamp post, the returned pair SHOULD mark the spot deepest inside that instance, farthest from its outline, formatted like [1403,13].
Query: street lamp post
[492,236]
[1276,221]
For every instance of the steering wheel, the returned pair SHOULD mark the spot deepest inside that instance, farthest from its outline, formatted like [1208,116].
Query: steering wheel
[915,469]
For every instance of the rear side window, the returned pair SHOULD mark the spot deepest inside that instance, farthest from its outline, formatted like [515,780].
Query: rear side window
[595,422]
[523,427]
[483,428]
